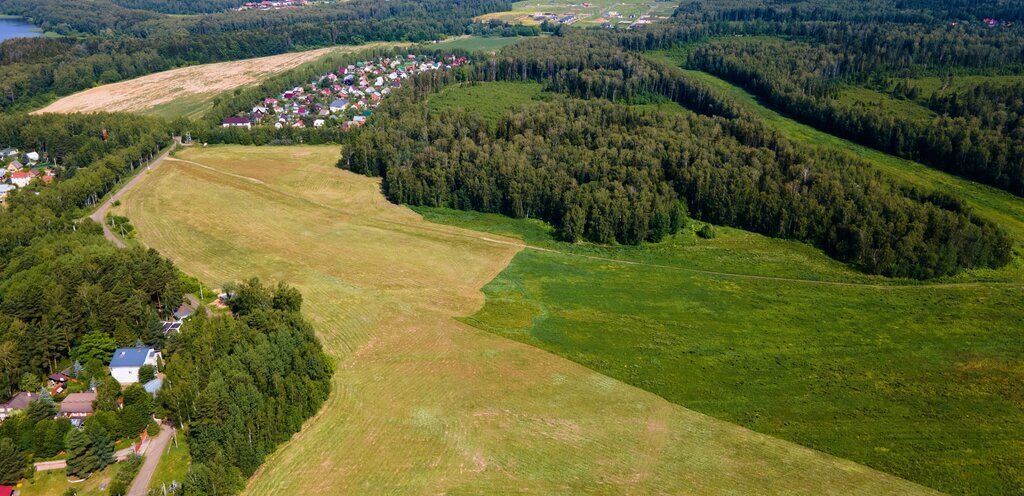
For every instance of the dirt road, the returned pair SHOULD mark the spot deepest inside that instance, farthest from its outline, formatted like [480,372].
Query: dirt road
[99,216]
[155,450]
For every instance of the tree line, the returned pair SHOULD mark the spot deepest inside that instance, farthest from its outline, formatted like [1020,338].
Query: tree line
[603,172]
[244,384]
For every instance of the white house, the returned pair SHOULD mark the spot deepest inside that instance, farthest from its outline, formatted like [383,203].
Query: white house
[32,156]
[237,122]
[124,366]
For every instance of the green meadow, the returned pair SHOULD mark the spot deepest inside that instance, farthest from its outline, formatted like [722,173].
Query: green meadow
[489,100]
[487,44]
[917,380]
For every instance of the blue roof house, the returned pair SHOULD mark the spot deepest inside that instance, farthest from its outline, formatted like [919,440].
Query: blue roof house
[124,366]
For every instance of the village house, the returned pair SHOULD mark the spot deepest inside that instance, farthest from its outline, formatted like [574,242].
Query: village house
[5,189]
[32,157]
[237,122]
[183,312]
[18,402]
[124,366]
[77,406]
[22,179]
[342,97]
[8,152]
[14,166]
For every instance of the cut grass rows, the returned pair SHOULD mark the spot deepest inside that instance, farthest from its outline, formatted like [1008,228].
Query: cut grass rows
[421,402]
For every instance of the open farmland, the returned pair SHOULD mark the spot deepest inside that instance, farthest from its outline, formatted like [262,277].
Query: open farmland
[616,13]
[188,91]
[422,403]
[916,380]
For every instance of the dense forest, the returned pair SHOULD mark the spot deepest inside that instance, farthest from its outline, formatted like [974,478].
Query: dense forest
[606,173]
[181,6]
[68,296]
[804,80]
[244,384]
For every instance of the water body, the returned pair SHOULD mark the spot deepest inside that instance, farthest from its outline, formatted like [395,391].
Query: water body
[16,28]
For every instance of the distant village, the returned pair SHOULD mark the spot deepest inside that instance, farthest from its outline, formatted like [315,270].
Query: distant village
[18,170]
[608,19]
[344,98]
[278,4]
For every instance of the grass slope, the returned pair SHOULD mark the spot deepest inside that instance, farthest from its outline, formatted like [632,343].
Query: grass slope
[55,483]
[174,464]
[423,403]
[917,380]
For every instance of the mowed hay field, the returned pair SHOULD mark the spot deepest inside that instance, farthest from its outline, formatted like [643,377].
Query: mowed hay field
[421,402]
[188,91]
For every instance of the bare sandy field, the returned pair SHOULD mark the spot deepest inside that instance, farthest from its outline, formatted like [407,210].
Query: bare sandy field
[186,91]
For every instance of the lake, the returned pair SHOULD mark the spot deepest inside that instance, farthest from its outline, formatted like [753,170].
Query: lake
[16,28]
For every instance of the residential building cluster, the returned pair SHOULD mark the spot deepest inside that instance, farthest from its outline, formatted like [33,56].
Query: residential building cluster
[18,170]
[345,98]
[276,4]
[124,367]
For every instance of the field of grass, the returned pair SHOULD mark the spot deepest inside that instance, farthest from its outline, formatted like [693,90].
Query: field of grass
[865,97]
[421,402]
[188,91]
[487,44]
[55,483]
[617,12]
[489,100]
[929,85]
[920,381]
[174,464]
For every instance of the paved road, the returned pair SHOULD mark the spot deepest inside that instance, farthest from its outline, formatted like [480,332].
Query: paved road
[99,216]
[155,450]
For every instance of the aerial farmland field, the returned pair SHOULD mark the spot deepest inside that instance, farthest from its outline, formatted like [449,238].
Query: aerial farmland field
[188,91]
[616,13]
[422,402]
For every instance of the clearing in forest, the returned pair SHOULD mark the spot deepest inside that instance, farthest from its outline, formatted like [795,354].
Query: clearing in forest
[422,403]
[188,91]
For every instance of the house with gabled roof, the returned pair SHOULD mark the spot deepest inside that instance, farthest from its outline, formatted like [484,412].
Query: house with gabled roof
[18,402]
[124,366]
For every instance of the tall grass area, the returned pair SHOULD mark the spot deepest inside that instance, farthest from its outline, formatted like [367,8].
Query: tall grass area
[174,464]
[486,44]
[489,100]
[919,381]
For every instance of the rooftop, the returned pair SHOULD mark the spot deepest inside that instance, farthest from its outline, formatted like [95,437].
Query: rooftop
[130,357]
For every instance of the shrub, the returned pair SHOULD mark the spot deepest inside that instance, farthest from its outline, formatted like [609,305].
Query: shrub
[707,231]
